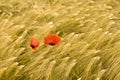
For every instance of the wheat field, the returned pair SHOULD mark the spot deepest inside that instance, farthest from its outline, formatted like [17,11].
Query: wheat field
[90,34]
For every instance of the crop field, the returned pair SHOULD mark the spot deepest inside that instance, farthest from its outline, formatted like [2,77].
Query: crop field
[88,32]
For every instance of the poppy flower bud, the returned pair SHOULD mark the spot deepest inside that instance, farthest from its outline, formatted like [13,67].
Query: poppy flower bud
[52,39]
[34,43]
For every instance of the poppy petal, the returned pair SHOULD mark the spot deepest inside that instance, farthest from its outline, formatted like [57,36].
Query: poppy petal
[52,39]
[34,43]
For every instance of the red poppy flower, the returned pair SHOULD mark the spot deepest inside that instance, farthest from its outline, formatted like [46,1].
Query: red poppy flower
[52,39]
[34,43]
